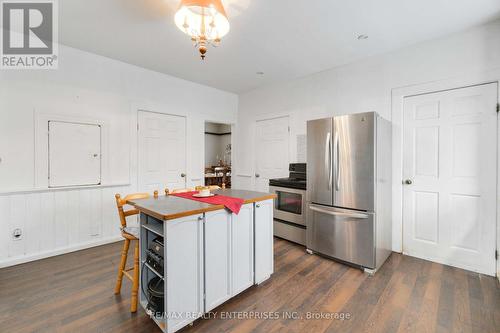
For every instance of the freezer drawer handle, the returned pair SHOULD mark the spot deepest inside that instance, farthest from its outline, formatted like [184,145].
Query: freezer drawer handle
[353,215]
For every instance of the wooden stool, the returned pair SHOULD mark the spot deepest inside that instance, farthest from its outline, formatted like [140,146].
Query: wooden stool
[129,234]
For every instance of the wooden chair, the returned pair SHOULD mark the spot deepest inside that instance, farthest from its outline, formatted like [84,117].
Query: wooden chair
[197,188]
[129,234]
[211,187]
[179,190]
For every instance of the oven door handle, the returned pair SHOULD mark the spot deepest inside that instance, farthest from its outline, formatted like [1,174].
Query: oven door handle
[343,214]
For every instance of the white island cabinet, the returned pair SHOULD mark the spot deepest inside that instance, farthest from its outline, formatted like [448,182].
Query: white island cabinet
[242,249]
[264,253]
[210,253]
[184,271]
[218,263]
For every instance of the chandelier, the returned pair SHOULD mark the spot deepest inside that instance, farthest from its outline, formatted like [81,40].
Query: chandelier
[205,21]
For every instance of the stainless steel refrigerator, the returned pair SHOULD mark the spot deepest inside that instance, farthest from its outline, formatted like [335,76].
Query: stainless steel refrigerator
[349,188]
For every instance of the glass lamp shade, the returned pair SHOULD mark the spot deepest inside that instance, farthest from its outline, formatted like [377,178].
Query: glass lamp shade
[199,18]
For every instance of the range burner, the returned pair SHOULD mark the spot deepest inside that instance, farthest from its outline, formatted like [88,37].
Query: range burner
[289,183]
[296,179]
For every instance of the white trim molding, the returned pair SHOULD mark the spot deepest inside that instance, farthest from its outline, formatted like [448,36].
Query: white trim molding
[59,189]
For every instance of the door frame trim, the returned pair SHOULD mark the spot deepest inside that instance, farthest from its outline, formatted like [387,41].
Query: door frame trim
[397,99]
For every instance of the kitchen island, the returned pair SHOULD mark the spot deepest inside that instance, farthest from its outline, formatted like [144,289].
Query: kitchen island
[210,254]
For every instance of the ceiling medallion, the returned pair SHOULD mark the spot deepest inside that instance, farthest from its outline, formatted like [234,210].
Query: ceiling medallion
[204,20]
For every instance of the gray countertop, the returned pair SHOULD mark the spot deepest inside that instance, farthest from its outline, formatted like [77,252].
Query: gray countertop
[169,207]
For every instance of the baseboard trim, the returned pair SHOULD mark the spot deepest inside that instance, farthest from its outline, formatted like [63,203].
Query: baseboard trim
[55,252]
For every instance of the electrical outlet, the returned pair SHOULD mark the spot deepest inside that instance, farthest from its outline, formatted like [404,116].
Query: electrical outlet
[17,234]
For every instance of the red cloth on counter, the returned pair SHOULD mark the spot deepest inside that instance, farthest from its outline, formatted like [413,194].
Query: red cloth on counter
[231,203]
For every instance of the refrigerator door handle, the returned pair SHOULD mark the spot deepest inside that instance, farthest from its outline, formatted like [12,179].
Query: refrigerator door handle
[328,159]
[337,160]
[334,213]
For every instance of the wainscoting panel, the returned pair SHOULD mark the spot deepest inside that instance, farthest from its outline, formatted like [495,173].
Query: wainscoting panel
[55,222]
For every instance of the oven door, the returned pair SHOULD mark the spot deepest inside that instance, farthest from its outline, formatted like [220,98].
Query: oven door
[289,205]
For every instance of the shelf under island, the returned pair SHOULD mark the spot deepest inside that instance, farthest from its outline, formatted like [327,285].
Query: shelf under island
[210,254]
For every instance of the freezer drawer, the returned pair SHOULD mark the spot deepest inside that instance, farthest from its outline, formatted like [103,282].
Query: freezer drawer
[342,234]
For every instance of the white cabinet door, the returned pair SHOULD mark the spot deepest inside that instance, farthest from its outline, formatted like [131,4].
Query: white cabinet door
[242,249]
[271,151]
[449,207]
[217,258]
[162,151]
[264,261]
[184,244]
[74,154]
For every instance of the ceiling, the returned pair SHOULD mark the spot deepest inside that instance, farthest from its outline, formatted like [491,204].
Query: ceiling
[285,39]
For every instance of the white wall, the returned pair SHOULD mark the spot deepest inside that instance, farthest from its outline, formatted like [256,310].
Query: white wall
[359,87]
[86,87]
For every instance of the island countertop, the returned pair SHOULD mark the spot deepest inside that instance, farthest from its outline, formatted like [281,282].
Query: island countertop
[169,207]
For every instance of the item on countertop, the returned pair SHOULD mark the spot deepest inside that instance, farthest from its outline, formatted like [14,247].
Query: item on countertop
[199,195]
[204,191]
[231,203]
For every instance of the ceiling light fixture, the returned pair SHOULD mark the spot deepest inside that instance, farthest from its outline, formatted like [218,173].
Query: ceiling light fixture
[204,20]
[362,37]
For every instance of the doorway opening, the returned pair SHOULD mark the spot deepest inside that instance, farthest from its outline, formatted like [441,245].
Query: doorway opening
[217,154]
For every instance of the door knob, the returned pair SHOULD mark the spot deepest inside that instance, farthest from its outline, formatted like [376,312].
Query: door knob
[408,182]
[257,175]
[183,175]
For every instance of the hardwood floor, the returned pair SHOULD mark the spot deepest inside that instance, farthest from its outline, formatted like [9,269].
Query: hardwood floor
[74,293]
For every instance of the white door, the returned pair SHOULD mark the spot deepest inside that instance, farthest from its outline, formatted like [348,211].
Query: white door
[162,151]
[217,258]
[271,151]
[449,170]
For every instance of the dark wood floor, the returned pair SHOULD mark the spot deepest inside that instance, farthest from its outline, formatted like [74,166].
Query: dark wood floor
[74,293]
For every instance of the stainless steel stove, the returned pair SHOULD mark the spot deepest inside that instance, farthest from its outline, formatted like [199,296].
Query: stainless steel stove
[290,204]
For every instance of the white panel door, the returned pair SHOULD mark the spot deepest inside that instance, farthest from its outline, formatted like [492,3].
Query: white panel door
[74,154]
[217,258]
[271,151]
[162,151]
[450,157]
[264,242]
[242,249]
